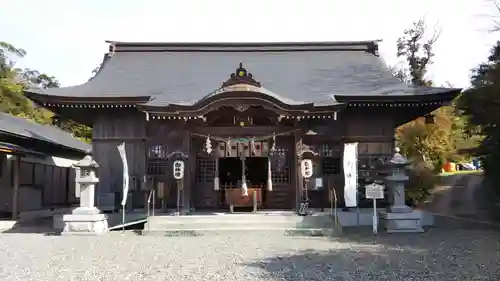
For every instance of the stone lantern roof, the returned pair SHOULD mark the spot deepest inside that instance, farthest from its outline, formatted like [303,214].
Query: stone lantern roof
[87,162]
[399,159]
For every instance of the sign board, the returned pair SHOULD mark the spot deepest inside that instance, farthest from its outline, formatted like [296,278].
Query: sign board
[160,189]
[318,182]
[374,191]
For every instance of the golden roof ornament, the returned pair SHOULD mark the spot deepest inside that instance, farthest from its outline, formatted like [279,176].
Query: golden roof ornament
[241,76]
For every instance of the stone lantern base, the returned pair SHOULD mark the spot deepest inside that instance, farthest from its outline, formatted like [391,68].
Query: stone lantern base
[402,222]
[85,221]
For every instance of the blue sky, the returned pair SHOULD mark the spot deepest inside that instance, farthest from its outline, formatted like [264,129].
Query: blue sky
[65,38]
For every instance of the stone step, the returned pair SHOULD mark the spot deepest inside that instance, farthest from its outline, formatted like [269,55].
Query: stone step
[240,219]
[237,218]
[226,224]
[241,231]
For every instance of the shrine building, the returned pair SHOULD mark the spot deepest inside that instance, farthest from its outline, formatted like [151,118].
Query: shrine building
[241,116]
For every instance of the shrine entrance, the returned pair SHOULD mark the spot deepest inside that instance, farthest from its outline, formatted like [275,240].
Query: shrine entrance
[231,170]
[242,171]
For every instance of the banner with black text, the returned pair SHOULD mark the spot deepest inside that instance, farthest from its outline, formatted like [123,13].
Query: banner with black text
[351,174]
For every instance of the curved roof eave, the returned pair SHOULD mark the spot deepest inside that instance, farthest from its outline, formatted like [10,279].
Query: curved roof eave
[62,91]
[252,89]
[241,92]
[83,92]
[49,95]
[105,59]
[411,94]
[223,91]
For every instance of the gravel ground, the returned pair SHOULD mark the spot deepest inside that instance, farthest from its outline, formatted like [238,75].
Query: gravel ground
[439,254]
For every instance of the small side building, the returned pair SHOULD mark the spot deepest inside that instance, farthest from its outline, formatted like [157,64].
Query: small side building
[36,171]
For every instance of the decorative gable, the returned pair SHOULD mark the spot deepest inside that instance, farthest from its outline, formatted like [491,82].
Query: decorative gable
[241,76]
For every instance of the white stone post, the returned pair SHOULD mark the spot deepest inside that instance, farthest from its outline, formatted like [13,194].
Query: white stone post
[87,218]
[399,217]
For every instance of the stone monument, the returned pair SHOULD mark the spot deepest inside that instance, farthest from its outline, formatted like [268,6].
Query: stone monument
[87,218]
[399,217]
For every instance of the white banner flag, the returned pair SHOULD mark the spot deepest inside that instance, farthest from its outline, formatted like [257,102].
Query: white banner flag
[351,174]
[123,155]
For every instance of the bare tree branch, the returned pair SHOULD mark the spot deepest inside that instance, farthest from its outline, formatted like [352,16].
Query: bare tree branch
[495,5]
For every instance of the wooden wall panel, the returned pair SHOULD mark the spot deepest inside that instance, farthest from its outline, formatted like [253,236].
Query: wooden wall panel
[109,130]
[56,185]
[124,124]
[64,186]
[39,174]
[71,186]
[283,195]
[110,173]
[48,185]
[368,123]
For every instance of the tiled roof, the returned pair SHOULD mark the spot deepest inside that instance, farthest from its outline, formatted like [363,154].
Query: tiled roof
[24,128]
[183,73]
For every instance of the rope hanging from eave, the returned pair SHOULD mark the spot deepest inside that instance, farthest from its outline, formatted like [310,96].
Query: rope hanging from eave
[244,187]
[216,178]
[248,139]
[269,175]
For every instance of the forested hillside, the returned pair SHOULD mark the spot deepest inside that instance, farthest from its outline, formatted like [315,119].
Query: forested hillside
[12,82]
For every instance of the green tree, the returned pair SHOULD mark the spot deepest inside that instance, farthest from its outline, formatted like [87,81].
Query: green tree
[14,80]
[480,105]
[416,48]
[427,144]
[11,99]
[431,142]
[44,81]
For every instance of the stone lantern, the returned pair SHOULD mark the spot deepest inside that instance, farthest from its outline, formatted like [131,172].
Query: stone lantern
[399,217]
[87,218]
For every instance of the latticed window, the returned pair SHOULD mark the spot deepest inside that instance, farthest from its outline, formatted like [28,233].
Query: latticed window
[280,165]
[373,159]
[205,170]
[158,151]
[157,161]
[324,150]
[328,160]
[331,166]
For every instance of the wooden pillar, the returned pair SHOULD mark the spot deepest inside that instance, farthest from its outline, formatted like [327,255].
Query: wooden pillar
[186,193]
[17,169]
[299,181]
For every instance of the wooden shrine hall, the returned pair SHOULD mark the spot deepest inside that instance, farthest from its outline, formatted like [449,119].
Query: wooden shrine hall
[241,116]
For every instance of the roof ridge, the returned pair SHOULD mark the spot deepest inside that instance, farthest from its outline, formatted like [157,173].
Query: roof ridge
[367,46]
[276,43]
